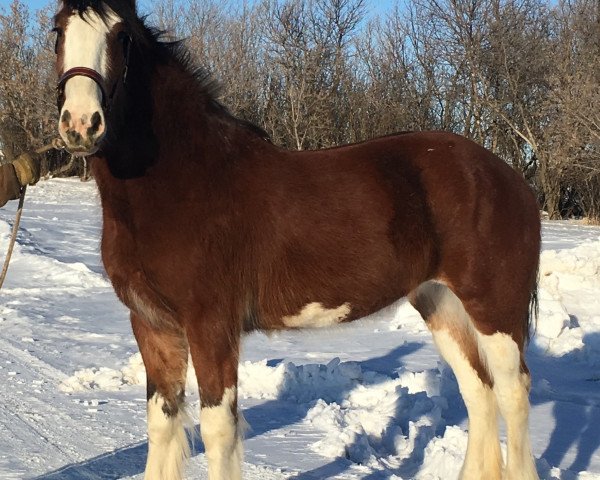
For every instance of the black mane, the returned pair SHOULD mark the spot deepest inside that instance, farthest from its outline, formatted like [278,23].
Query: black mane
[130,145]
[152,39]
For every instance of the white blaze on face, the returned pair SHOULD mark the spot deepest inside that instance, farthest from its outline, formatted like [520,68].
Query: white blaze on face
[85,45]
[314,315]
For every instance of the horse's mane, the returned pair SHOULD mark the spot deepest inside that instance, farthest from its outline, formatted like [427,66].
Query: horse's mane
[153,40]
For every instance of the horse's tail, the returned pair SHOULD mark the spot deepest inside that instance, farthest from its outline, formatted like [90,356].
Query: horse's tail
[534,306]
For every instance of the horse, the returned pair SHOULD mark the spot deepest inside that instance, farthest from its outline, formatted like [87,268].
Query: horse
[211,231]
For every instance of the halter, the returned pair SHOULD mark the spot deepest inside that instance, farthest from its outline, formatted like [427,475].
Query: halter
[82,72]
[96,77]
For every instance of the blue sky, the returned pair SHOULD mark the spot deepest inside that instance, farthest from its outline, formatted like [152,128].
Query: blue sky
[374,6]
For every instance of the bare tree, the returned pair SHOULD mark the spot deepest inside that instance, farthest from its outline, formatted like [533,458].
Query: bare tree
[574,127]
[308,50]
[520,77]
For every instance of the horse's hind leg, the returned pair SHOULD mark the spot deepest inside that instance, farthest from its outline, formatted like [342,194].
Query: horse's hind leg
[165,357]
[456,340]
[511,386]
[500,313]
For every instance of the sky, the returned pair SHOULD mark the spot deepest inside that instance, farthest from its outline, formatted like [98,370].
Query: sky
[374,6]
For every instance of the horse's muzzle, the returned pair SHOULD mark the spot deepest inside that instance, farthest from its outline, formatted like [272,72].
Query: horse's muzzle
[82,133]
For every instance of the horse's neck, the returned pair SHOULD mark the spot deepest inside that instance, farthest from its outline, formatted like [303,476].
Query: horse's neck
[160,123]
[189,125]
[193,146]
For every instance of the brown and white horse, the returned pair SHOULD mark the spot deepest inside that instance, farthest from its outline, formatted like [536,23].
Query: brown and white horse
[211,231]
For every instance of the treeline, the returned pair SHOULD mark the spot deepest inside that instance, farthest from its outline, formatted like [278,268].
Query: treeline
[521,77]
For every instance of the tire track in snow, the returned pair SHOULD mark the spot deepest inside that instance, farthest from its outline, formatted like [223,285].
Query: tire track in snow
[30,414]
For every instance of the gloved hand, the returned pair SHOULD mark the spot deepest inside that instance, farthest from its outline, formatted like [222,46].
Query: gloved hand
[10,188]
[27,168]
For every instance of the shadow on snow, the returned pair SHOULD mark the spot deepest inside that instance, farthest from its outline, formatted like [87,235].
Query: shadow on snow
[576,422]
[575,392]
[130,460]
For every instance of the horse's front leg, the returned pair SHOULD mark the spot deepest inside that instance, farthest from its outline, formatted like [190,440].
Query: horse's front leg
[165,357]
[215,352]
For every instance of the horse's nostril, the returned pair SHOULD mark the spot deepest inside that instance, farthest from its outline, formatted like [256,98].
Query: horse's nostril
[66,117]
[96,120]
[96,124]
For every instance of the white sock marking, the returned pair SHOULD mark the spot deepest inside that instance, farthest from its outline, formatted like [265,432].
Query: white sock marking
[222,439]
[167,442]
[511,389]
[483,458]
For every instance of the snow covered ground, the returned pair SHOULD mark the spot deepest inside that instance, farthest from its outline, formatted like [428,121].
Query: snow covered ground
[369,400]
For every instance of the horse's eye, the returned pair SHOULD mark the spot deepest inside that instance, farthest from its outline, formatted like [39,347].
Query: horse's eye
[123,37]
[125,40]
[59,33]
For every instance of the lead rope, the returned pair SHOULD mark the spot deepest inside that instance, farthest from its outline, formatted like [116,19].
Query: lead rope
[56,144]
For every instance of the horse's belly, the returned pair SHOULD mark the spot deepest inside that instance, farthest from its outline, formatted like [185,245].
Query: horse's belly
[304,302]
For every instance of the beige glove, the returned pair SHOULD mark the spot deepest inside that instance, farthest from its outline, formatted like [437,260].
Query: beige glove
[9,184]
[27,168]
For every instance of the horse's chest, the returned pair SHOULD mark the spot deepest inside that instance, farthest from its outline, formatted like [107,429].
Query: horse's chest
[138,278]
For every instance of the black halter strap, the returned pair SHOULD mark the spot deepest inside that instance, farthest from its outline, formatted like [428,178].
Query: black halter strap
[96,77]
[82,72]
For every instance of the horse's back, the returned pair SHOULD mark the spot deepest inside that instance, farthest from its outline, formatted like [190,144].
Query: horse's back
[429,183]
[469,195]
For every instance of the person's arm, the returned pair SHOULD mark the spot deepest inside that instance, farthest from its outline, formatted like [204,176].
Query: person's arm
[25,170]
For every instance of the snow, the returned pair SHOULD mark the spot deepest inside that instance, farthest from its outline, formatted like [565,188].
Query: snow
[368,400]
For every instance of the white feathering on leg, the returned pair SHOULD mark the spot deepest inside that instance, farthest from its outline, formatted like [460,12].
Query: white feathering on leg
[222,438]
[168,446]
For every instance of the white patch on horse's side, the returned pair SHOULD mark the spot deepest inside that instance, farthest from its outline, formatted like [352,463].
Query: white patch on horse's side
[222,438]
[86,46]
[511,387]
[483,458]
[314,315]
[168,445]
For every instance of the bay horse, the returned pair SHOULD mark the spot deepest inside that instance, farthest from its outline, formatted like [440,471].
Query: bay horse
[211,231]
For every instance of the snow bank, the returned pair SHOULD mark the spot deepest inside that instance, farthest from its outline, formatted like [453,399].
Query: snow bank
[566,324]
[443,456]
[363,415]
[106,379]
[573,264]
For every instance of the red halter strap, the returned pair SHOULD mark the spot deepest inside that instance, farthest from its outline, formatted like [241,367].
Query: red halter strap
[82,72]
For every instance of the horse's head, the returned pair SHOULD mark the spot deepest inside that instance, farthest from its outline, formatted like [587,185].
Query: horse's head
[93,46]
